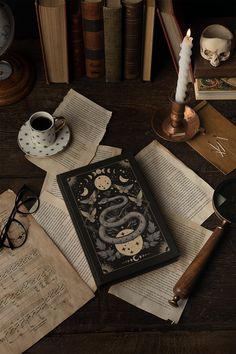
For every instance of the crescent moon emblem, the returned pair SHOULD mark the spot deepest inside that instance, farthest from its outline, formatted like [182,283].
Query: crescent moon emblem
[136,258]
[85,192]
[122,179]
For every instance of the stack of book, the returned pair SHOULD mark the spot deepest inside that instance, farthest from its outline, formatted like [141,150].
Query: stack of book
[112,39]
[215,82]
[210,83]
[215,88]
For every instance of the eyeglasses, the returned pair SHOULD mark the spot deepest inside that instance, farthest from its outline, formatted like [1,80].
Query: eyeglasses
[14,231]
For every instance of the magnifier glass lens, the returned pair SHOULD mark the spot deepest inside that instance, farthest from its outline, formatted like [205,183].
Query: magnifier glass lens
[224,200]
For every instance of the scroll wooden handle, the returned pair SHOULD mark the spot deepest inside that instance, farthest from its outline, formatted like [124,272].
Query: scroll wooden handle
[185,284]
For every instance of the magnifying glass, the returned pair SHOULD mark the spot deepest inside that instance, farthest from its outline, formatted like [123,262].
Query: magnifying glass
[224,204]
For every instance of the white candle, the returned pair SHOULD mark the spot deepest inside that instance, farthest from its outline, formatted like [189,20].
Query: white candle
[184,61]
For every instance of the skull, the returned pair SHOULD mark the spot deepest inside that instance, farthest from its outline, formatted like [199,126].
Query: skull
[216,44]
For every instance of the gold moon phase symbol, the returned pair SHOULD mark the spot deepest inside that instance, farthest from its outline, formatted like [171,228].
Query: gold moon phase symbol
[85,192]
[123,180]
[129,248]
[102,182]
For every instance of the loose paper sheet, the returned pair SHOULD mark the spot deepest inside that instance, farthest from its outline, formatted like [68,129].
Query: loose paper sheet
[151,291]
[103,152]
[39,288]
[178,190]
[218,144]
[60,227]
[61,230]
[87,121]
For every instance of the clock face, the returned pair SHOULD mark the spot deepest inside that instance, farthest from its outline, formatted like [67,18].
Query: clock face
[5,70]
[7,27]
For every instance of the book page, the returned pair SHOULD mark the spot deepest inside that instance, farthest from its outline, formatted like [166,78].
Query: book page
[103,152]
[60,229]
[87,122]
[182,196]
[60,223]
[39,288]
[151,291]
[177,189]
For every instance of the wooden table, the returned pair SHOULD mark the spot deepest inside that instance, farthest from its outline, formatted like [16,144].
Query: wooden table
[106,324]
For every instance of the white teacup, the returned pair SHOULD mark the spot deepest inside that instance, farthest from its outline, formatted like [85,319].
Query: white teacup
[44,128]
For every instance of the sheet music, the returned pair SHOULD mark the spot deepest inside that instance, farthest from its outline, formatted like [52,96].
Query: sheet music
[178,190]
[87,121]
[39,288]
[59,226]
[61,230]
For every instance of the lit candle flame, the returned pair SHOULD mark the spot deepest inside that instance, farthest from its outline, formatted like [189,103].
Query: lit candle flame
[189,32]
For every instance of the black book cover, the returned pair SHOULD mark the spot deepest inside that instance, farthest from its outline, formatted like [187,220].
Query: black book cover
[118,222]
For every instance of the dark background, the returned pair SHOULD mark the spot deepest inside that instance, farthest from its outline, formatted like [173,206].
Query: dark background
[108,325]
[190,9]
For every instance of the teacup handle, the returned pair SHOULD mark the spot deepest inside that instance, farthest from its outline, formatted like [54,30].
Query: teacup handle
[62,122]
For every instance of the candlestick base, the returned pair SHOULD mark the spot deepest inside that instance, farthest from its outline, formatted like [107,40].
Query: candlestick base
[164,123]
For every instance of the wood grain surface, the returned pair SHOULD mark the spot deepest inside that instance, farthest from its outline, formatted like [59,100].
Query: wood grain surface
[107,324]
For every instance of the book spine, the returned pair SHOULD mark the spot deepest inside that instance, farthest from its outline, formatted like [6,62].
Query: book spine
[76,40]
[133,29]
[93,33]
[113,42]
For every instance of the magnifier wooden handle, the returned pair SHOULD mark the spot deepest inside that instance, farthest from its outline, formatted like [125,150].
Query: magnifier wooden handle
[185,284]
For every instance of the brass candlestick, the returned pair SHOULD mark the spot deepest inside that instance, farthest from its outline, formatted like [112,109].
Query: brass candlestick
[177,122]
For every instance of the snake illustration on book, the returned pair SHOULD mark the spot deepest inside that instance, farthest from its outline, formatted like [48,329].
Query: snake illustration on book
[106,224]
[116,218]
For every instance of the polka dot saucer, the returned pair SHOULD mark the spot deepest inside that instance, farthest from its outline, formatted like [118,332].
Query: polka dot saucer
[29,148]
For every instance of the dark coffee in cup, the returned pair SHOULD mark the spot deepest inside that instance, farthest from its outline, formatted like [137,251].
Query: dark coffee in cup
[41,123]
[44,128]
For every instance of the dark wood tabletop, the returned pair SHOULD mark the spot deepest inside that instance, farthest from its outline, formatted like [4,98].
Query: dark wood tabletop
[107,324]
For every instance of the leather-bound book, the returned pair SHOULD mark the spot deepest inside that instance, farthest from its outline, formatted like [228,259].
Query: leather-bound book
[76,42]
[93,33]
[133,30]
[112,16]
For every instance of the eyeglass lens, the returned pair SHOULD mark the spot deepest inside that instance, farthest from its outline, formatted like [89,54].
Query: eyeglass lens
[225,200]
[27,201]
[14,232]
